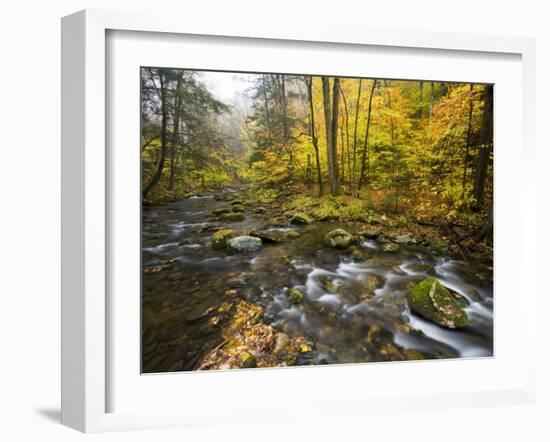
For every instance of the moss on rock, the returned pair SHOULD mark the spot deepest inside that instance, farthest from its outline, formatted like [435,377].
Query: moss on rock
[220,238]
[338,239]
[300,219]
[296,296]
[291,234]
[431,300]
[233,217]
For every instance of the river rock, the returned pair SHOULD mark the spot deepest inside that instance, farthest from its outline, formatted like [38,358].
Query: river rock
[359,254]
[300,219]
[371,232]
[220,238]
[238,208]
[431,300]
[390,247]
[404,239]
[266,237]
[371,284]
[338,239]
[233,217]
[245,243]
[291,234]
[421,267]
[281,342]
[221,210]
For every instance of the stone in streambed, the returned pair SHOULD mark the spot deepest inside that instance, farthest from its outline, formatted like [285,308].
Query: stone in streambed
[371,284]
[359,254]
[220,238]
[221,210]
[266,237]
[281,343]
[390,247]
[371,232]
[404,239]
[300,219]
[245,243]
[238,208]
[339,239]
[431,300]
[232,217]
[291,234]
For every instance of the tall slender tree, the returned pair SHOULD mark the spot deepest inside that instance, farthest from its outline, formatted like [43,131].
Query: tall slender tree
[485,147]
[366,141]
[314,139]
[163,134]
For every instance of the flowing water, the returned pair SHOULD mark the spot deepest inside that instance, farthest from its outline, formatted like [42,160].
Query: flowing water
[185,279]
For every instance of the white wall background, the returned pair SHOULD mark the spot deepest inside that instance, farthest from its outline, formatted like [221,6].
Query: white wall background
[30,216]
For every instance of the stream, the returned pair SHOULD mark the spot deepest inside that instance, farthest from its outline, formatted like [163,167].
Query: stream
[185,279]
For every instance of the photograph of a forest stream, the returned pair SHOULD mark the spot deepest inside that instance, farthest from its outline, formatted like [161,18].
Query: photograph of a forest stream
[292,220]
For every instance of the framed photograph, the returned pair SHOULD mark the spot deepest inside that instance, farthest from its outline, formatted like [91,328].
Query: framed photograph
[248,213]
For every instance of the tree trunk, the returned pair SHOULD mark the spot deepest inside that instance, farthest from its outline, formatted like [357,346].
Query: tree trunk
[486,232]
[366,142]
[421,98]
[485,148]
[345,138]
[394,162]
[174,141]
[309,180]
[331,128]
[286,131]
[431,109]
[266,105]
[354,165]
[328,130]
[309,83]
[334,133]
[158,173]
[468,141]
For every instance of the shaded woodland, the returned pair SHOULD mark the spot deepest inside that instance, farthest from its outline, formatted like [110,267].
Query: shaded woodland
[419,148]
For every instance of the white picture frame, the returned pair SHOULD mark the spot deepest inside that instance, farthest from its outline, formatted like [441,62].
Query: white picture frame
[86,315]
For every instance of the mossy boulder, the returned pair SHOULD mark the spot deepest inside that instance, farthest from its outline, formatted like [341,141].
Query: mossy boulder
[371,232]
[300,219]
[339,239]
[220,238]
[238,208]
[221,210]
[296,296]
[431,300]
[245,243]
[232,217]
[390,247]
